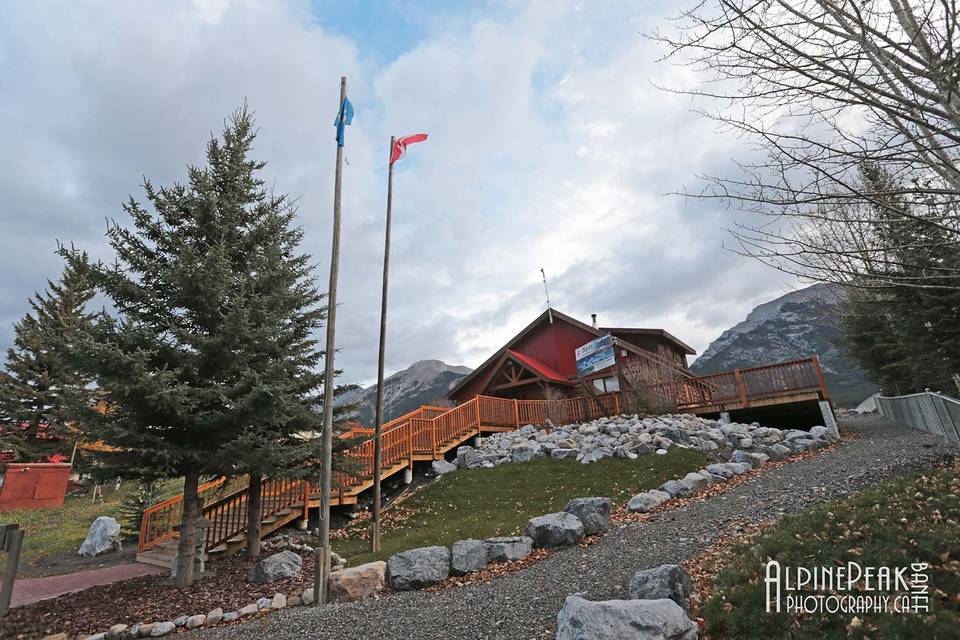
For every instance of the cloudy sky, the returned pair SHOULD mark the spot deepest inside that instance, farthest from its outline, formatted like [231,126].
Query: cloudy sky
[549,147]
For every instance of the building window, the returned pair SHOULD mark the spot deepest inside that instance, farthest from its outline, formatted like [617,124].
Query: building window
[606,385]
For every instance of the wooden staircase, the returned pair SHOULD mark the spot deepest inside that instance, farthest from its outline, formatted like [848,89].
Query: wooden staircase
[425,434]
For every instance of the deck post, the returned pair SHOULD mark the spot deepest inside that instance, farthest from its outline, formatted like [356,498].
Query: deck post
[516,412]
[829,420]
[738,375]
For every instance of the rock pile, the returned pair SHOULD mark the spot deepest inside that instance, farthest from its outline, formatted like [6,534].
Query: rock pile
[632,436]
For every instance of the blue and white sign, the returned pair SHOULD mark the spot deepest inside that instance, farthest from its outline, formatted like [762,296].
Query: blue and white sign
[595,355]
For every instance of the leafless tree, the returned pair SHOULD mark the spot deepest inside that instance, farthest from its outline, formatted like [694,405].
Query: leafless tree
[820,87]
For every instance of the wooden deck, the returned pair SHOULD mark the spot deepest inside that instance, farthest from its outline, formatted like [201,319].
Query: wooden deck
[428,433]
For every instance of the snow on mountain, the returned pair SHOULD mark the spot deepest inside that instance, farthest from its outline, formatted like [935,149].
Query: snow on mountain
[799,324]
[423,382]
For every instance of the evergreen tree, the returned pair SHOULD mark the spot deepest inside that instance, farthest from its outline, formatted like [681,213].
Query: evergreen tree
[907,336]
[41,389]
[210,362]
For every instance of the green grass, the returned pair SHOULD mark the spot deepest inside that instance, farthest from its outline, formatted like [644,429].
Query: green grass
[482,503]
[61,529]
[888,525]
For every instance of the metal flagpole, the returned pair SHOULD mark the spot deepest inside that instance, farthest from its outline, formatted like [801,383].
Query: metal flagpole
[328,373]
[378,428]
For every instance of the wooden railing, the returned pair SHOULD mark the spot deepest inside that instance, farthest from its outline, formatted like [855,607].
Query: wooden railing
[429,431]
[742,386]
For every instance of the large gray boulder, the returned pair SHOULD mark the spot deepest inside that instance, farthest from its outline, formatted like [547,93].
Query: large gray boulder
[555,529]
[467,556]
[418,568]
[508,548]
[666,581]
[593,512]
[646,501]
[564,453]
[103,536]
[285,564]
[729,469]
[581,619]
[694,482]
[675,489]
[442,467]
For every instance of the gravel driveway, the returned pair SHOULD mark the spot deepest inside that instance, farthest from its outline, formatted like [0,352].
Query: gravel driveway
[525,604]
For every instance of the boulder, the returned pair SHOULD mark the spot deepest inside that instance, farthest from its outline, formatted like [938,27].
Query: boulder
[263,603]
[249,610]
[116,631]
[418,568]
[442,467]
[666,581]
[307,596]
[593,512]
[285,564]
[354,583]
[279,601]
[729,469]
[742,456]
[822,433]
[675,489]
[214,617]
[555,529]
[467,556]
[694,482]
[646,501]
[143,629]
[103,536]
[231,616]
[581,619]
[465,456]
[196,621]
[508,548]
[564,453]
[162,629]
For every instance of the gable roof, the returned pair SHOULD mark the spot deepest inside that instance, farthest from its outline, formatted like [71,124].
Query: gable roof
[464,381]
[508,347]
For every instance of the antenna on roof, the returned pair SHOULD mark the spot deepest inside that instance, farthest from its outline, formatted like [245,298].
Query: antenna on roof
[547,291]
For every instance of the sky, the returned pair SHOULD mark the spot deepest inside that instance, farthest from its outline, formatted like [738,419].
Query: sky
[551,146]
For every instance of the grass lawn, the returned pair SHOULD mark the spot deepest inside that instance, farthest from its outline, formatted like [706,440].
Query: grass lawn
[482,503]
[912,519]
[50,532]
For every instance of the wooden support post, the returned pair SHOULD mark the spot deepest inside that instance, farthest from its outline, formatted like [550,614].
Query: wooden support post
[477,409]
[516,412]
[11,541]
[738,375]
[824,394]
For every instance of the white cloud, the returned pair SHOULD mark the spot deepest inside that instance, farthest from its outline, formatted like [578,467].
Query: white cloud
[549,147]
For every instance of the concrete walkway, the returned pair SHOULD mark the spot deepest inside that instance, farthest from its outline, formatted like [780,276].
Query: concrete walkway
[30,590]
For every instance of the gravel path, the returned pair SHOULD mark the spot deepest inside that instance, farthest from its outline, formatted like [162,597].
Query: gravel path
[524,604]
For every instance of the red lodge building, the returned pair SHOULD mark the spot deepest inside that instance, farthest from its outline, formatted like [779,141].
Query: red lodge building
[541,362]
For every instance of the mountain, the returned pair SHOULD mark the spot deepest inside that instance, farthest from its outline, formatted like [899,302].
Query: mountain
[799,324]
[423,382]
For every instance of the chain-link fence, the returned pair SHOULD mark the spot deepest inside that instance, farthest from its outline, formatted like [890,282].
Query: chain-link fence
[930,412]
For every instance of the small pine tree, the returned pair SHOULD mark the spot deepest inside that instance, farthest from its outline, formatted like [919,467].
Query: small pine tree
[134,504]
[41,388]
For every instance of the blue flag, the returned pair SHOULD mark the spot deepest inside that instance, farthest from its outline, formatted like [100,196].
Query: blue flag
[344,117]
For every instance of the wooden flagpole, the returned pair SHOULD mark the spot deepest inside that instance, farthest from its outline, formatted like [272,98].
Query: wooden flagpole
[378,428]
[326,484]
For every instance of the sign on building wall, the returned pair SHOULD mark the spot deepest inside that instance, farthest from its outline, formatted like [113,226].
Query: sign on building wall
[595,355]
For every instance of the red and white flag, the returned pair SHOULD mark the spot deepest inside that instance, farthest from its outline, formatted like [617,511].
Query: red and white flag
[400,145]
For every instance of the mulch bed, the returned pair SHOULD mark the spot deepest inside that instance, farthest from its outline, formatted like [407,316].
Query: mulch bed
[148,599]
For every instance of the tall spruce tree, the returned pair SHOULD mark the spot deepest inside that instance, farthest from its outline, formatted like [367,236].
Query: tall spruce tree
[41,388]
[209,362]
